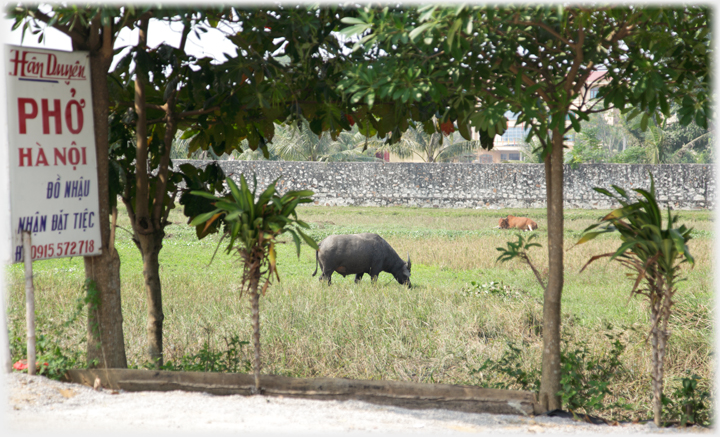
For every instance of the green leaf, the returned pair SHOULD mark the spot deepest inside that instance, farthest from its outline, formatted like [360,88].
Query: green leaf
[233,215]
[202,218]
[652,205]
[355,30]
[352,20]
[370,99]
[310,242]
[268,193]
[297,241]
[575,123]
[587,237]
[247,196]
[453,30]
[300,193]
[235,191]
[420,29]
[227,206]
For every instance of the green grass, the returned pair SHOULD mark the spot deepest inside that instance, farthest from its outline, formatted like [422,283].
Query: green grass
[433,332]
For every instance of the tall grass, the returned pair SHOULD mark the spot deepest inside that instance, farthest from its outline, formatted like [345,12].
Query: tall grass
[435,332]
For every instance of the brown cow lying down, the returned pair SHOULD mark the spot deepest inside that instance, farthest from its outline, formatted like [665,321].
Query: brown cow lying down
[522,223]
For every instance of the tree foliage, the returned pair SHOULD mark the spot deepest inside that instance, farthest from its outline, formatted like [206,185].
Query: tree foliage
[623,141]
[539,59]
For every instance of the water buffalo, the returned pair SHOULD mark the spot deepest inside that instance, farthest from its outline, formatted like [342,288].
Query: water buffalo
[358,254]
[522,223]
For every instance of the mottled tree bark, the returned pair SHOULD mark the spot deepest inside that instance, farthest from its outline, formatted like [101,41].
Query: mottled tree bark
[148,209]
[150,245]
[550,382]
[106,344]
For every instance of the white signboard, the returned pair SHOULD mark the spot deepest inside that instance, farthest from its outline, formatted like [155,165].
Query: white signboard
[53,169]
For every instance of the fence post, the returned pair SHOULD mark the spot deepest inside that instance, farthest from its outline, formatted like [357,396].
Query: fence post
[29,302]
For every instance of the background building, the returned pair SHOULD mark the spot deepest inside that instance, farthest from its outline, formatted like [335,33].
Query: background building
[509,146]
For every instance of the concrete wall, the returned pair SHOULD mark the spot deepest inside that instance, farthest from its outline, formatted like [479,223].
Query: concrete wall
[682,186]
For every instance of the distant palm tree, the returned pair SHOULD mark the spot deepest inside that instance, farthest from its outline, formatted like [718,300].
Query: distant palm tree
[181,150]
[299,143]
[531,151]
[430,147]
[654,139]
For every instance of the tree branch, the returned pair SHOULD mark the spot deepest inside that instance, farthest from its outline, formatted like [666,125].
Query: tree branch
[545,27]
[689,145]
[577,62]
[77,37]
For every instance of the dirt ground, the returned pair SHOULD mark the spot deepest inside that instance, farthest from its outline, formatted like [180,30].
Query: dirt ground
[37,405]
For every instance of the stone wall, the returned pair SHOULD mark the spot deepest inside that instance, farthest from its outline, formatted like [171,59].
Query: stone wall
[682,186]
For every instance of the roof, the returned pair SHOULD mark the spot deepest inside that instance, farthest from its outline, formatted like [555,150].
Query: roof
[595,75]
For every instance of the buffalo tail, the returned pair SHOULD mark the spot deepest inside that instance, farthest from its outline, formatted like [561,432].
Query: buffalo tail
[316,262]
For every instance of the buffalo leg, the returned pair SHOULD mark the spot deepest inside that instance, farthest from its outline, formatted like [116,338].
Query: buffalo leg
[326,276]
[358,277]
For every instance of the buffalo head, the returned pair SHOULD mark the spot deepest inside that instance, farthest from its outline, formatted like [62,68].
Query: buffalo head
[403,276]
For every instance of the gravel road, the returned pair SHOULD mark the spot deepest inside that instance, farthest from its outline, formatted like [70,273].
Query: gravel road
[37,404]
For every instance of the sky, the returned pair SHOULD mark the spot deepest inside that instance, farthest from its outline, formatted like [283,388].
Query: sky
[213,43]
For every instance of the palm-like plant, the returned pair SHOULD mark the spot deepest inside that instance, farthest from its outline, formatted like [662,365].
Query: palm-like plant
[430,146]
[299,143]
[351,146]
[253,227]
[654,139]
[654,255]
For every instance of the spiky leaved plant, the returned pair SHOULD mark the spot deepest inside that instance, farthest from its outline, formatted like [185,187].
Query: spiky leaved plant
[654,255]
[253,224]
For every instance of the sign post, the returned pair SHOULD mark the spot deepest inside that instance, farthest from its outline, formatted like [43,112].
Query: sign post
[54,206]
[29,304]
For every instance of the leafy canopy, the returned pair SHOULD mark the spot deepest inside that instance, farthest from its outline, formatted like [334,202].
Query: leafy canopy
[473,64]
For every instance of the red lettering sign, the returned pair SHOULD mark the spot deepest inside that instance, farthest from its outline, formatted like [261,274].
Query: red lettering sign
[74,115]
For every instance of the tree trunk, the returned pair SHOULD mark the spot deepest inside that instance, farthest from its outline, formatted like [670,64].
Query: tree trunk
[657,393]
[148,228]
[255,304]
[142,190]
[150,246]
[550,382]
[106,344]
[659,341]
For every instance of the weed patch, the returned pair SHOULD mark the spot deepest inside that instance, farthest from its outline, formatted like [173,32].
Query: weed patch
[586,380]
[230,359]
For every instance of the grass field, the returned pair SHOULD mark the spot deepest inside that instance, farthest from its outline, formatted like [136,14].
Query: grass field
[439,331]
